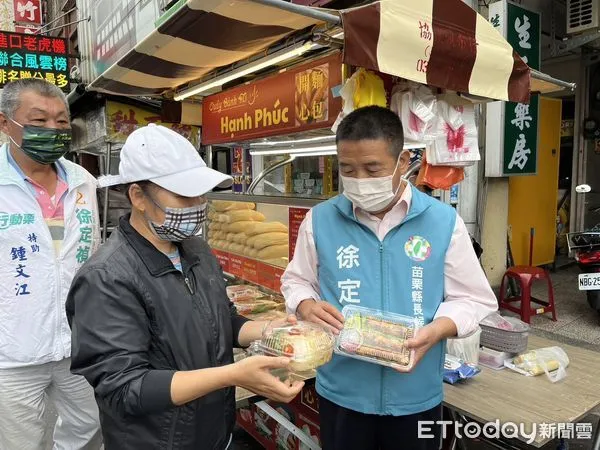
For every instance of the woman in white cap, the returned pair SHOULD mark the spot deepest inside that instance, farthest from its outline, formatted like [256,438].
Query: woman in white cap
[153,328]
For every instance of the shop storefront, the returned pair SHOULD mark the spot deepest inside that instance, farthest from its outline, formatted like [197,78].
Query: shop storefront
[278,129]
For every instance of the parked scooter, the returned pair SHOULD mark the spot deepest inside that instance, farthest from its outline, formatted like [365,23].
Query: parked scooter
[585,246]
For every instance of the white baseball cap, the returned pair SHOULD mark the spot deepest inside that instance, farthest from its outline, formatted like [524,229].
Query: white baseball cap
[164,157]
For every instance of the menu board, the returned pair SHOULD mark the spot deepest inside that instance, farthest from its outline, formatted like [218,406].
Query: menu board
[296,217]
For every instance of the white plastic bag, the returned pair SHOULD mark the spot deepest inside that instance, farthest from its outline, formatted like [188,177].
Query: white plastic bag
[495,320]
[453,135]
[466,348]
[552,361]
[417,109]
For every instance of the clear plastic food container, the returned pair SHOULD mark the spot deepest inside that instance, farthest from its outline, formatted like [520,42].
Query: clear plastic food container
[308,346]
[377,337]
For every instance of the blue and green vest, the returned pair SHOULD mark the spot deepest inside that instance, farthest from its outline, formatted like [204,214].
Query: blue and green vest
[404,274]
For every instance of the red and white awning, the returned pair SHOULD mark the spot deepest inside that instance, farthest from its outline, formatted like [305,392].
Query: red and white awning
[442,43]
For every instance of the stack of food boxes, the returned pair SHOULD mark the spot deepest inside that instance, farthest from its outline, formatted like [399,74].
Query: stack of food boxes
[238,228]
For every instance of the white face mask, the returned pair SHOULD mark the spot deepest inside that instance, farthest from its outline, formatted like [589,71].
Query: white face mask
[371,194]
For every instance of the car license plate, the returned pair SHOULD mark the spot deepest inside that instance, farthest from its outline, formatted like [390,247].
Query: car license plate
[589,281]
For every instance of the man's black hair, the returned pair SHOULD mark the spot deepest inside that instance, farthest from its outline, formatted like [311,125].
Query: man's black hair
[373,123]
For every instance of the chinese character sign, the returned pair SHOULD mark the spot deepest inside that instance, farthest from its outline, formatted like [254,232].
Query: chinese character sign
[28,11]
[517,152]
[521,121]
[31,56]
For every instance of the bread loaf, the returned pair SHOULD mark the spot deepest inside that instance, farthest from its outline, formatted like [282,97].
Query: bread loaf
[241,216]
[211,234]
[269,239]
[237,227]
[251,240]
[237,248]
[240,238]
[223,206]
[266,227]
[253,253]
[230,237]
[274,251]
[214,226]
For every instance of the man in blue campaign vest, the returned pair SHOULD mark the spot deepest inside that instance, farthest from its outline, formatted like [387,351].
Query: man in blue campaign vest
[385,245]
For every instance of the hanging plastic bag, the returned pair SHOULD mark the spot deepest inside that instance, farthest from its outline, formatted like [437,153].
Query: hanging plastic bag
[453,135]
[363,88]
[552,361]
[416,107]
[439,177]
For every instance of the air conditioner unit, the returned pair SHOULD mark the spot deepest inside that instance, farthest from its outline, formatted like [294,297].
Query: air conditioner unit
[582,15]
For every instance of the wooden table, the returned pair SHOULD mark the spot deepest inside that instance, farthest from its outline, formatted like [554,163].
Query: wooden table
[507,396]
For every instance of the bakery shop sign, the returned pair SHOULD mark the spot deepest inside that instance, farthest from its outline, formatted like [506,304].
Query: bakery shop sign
[296,99]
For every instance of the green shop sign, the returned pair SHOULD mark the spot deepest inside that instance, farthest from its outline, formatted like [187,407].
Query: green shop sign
[522,29]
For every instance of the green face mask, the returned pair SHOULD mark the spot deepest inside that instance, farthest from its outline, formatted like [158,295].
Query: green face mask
[44,145]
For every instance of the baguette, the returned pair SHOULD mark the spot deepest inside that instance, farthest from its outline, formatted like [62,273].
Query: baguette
[230,237]
[211,234]
[266,227]
[215,226]
[241,216]
[237,248]
[223,206]
[269,239]
[253,253]
[251,240]
[237,227]
[239,238]
[273,252]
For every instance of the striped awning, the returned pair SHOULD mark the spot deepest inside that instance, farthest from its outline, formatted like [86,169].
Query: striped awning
[442,43]
[201,36]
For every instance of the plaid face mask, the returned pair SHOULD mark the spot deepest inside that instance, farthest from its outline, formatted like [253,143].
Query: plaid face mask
[180,223]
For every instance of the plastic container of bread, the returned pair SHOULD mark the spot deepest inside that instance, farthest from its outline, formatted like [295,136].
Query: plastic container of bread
[308,346]
[377,337]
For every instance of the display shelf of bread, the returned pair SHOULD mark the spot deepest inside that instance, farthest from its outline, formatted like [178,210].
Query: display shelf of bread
[237,227]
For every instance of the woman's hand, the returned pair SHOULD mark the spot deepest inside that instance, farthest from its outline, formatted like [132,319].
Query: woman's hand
[278,323]
[253,373]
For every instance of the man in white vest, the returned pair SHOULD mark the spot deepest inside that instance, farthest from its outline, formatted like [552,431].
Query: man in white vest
[49,227]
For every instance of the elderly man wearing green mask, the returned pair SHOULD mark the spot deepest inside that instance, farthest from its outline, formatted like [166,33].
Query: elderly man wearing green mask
[48,229]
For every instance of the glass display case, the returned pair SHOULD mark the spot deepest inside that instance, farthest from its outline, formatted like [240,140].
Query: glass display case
[254,237]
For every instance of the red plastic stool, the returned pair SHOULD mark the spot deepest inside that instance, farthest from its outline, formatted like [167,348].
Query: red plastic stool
[525,276]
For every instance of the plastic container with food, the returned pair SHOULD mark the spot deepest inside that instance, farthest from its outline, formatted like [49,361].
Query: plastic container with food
[377,337]
[308,346]
[258,306]
[242,292]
